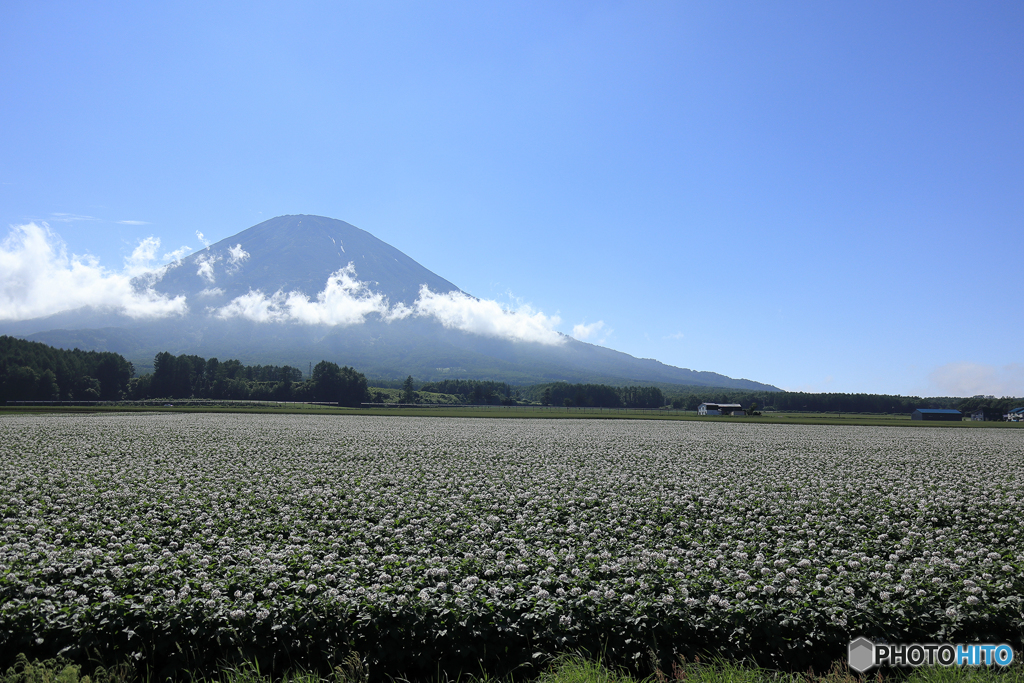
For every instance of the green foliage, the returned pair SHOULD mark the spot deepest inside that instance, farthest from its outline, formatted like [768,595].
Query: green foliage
[30,371]
[567,668]
[341,385]
[688,398]
[474,392]
[60,670]
[596,395]
[408,392]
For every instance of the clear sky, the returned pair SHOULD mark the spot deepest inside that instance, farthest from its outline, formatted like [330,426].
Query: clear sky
[825,196]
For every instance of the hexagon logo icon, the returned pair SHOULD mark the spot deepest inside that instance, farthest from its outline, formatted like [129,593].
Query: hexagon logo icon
[861,655]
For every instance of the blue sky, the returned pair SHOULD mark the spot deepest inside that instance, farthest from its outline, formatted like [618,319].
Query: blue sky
[821,196]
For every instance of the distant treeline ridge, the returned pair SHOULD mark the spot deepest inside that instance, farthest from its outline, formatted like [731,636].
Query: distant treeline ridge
[31,371]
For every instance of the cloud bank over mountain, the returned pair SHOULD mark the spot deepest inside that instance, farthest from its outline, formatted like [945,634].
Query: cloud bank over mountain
[38,278]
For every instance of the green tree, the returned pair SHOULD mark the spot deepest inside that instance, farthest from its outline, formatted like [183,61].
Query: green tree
[326,381]
[87,389]
[20,383]
[48,389]
[408,394]
[285,388]
[334,384]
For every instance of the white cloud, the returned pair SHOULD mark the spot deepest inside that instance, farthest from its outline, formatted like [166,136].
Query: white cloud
[583,331]
[133,222]
[39,278]
[347,301]
[972,379]
[676,335]
[177,254]
[70,218]
[143,256]
[235,257]
[488,318]
[205,269]
[237,254]
[202,238]
[344,301]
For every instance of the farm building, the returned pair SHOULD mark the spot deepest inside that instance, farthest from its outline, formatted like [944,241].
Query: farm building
[720,409]
[1015,415]
[991,414]
[936,414]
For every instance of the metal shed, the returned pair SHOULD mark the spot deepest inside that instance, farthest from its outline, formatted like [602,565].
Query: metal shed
[937,414]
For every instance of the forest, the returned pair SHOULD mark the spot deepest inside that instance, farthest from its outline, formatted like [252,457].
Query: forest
[31,371]
[189,376]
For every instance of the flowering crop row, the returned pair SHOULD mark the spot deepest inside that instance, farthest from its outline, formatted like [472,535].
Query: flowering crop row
[181,540]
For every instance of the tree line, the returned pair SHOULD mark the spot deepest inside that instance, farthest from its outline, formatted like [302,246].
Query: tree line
[190,376]
[31,371]
[798,401]
[474,392]
[596,395]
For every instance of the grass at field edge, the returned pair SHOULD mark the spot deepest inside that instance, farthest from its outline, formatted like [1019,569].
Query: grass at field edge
[563,669]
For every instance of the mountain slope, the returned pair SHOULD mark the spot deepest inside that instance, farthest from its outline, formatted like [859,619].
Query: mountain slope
[297,253]
[256,296]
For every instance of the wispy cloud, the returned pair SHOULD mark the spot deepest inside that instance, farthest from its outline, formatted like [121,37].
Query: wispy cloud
[202,238]
[71,218]
[585,331]
[205,267]
[177,254]
[237,254]
[675,335]
[38,278]
[972,379]
[235,257]
[133,222]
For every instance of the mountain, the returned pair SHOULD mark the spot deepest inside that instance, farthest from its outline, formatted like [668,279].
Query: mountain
[297,253]
[299,289]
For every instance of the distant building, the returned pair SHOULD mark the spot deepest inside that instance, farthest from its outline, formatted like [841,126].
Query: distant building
[936,414]
[1015,415]
[982,414]
[720,409]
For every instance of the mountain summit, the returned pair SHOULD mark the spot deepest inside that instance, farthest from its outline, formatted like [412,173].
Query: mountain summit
[299,289]
[297,253]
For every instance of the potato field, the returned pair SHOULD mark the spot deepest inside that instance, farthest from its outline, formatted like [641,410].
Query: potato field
[180,541]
